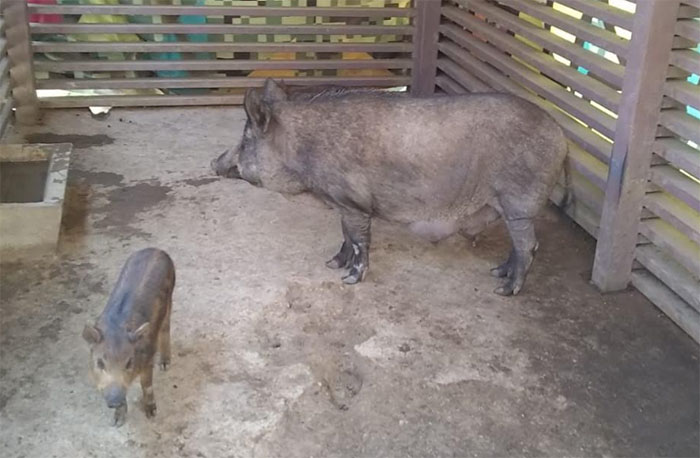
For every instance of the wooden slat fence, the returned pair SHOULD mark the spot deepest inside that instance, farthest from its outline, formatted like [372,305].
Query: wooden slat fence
[5,86]
[669,251]
[571,57]
[203,53]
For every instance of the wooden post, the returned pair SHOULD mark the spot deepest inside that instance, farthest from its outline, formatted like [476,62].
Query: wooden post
[425,46]
[19,52]
[642,93]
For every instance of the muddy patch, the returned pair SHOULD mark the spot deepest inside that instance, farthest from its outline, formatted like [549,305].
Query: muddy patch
[197,182]
[90,178]
[78,141]
[126,202]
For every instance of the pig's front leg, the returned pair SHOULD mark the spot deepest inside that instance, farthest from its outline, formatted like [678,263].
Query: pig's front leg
[119,415]
[345,256]
[149,402]
[357,227]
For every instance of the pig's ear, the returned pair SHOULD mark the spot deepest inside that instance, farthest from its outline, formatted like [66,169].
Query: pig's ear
[92,334]
[257,109]
[141,331]
[273,91]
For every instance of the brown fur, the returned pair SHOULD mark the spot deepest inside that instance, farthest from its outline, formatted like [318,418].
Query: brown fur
[133,326]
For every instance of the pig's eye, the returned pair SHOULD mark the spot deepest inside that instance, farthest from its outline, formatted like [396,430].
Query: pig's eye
[100,364]
[128,364]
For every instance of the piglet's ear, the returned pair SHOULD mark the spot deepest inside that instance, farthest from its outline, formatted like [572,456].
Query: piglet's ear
[141,331]
[92,334]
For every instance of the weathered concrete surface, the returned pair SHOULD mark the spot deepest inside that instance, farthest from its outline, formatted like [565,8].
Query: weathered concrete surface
[32,190]
[275,357]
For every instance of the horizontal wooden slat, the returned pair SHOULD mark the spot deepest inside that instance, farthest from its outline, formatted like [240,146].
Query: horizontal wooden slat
[688,28]
[538,83]
[677,184]
[600,37]
[684,92]
[676,213]
[688,11]
[585,191]
[576,132]
[102,46]
[695,3]
[668,302]
[588,166]
[679,154]
[253,11]
[686,59]
[234,29]
[545,63]
[681,123]
[449,85]
[597,65]
[670,272]
[462,76]
[602,11]
[581,213]
[223,64]
[229,82]
[139,100]
[674,242]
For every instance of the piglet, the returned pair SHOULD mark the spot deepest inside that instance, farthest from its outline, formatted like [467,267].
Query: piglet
[133,326]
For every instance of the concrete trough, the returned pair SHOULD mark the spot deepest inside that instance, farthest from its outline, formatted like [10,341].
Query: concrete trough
[32,189]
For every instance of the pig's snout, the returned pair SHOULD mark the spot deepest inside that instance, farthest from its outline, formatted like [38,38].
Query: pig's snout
[223,166]
[115,396]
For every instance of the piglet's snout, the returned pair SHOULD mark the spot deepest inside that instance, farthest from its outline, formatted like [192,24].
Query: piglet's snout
[115,396]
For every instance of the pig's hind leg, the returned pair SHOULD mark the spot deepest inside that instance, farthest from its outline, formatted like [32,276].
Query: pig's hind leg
[357,226]
[477,222]
[521,228]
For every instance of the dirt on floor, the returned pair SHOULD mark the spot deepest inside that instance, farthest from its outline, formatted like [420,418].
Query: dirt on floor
[273,356]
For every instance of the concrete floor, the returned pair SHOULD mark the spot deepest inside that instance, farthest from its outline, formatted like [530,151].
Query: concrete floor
[275,357]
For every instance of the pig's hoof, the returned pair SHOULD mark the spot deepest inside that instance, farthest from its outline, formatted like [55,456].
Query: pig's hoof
[509,289]
[164,363]
[150,410]
[335,263]
[353,277]
[119,417]
[504,270]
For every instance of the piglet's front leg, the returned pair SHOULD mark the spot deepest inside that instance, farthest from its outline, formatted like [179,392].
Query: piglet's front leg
[149,402]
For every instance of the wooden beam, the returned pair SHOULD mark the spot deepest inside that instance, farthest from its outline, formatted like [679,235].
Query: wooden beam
[642,93]
[252,11]
[19,52]
[425,46]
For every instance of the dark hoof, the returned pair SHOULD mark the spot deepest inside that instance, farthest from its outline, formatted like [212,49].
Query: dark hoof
[335,263]
[509,289]
[353,277]
[119,416]
[150,410]
[501,271]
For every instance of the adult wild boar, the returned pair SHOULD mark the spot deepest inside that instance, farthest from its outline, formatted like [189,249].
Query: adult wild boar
[440,165]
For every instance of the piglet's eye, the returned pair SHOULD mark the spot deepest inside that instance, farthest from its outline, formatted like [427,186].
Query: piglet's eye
[101,364]
[129,363]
